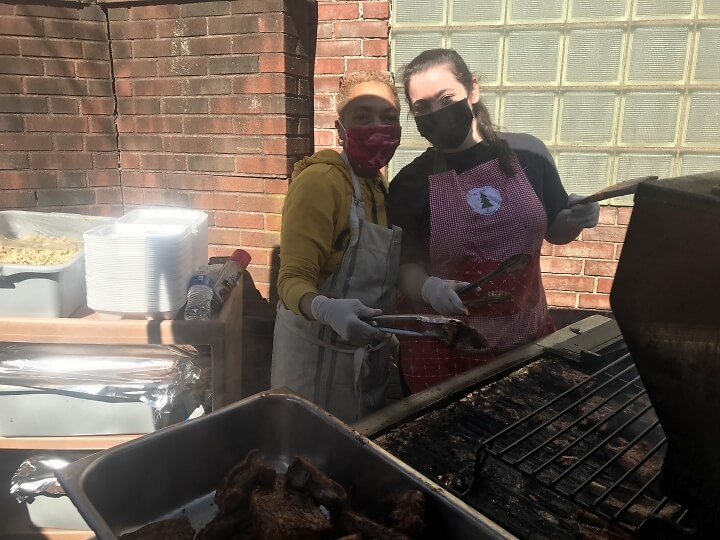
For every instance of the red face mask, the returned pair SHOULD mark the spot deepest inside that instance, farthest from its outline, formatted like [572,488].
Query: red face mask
[370,148]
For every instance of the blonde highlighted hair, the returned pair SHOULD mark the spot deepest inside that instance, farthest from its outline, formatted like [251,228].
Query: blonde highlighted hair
[352,79]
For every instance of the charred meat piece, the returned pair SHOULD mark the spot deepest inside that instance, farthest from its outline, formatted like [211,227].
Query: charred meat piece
[306,477]
[353,536]
[352,522]
[280,514]
[458,333]
[405,511]
[177,529]
[235,489]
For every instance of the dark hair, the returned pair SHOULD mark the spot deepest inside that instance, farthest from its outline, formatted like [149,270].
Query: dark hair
[450,58]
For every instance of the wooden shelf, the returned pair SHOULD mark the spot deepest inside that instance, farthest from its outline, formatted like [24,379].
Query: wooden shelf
[96,442]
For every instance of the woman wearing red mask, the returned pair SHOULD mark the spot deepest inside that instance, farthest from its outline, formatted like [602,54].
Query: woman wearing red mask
[339,256]
[475,199]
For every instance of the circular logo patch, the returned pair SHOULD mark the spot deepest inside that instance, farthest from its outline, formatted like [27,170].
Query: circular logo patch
[484,200]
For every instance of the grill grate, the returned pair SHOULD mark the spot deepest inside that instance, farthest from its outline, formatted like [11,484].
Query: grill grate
[598,444]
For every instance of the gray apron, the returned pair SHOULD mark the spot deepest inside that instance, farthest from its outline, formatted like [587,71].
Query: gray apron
[310,358]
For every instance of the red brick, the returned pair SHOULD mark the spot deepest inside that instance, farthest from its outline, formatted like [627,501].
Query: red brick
[28,66]
[568,283]
[100,143]
[187,144]
[159,124]
[125,124]
[11,180]
[273,222]
[93,13]
[213,201]
[24,141]
[223,236]
[257,6]
[51,12]
[205,9]
[14,160]
[547,248]
[339,47]
[133,196]
[338,11]
[267,83]
[261,239]
[261,43]
[66,141]
[618,251]
[327,83]
[156,88]
[608,215]
[237,145]
[324,30]
[182,66]
[108,195]
[154,48]
[61,160]
[58,28]
[203,124]
[55,86]
[167,162]
[604,285]
[100,51]
[242,220]
[278,63]
[182,28]
[360,29]
[139,105]
[594,301]
[133,30]
[624,215]
[239,184]
[72,179]
[600,268]
[194,181]
[375,47]
[101,124]
[123,88]
[325,138]
[552,265]
[211,163]
[59,67]
[203,86]
[273,186]
[274,125]
[235,105]
[7,9]
[586,250]
[263,165]
[144,179]
[56,123]
[233,24]
[105,160]
[54,48]
[18,199]
[367,64]
[204,46]
[376,10]
[166,11]
[129,160]
[99,87]
[561,299]
[103,178]
[604,233]
[97,106]
[279,23]
[9,45]
[328,66]
[20,26]
[93,70]
[11,84]
[285,146]
[260,203]
[63,105]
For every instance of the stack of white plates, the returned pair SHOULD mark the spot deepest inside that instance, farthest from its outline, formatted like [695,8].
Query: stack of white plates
[137,268]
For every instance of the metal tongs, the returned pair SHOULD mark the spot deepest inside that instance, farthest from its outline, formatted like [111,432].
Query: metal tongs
[511,264]
[452,332]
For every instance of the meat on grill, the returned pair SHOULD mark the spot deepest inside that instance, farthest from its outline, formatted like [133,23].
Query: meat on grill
[405,511]
[353,522]
[279,513]
[307,478]
[176,528]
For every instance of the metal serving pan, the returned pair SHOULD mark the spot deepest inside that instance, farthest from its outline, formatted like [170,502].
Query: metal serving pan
[177,469]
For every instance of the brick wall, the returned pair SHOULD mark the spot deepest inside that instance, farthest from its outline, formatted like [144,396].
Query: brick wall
[213,111]
[58,147]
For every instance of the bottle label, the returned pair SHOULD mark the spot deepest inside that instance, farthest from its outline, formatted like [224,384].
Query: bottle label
[201,279]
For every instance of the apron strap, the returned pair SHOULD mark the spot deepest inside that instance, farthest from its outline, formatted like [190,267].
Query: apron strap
[357,201]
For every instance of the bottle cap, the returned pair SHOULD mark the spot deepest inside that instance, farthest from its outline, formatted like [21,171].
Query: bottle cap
[241,257]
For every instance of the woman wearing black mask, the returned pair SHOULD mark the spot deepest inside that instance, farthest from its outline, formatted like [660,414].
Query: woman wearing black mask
[465,205]
[339,256]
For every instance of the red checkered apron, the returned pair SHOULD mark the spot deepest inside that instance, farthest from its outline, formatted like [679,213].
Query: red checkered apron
[478,219]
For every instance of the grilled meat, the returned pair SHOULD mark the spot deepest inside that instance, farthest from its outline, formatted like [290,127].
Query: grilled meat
[352,522]
[236,487]
[458,333]
[405,511]
[306,477]
[176,528]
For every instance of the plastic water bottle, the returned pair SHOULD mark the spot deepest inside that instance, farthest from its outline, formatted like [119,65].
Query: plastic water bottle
[199,296]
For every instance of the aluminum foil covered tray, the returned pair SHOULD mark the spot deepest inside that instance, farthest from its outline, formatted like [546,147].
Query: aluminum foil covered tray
[176,470]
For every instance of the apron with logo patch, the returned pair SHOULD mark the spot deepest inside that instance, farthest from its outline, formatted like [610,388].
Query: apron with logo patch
[478,219]
[311,359]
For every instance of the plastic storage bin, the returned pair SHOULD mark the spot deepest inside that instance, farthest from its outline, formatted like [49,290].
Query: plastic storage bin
[44,290]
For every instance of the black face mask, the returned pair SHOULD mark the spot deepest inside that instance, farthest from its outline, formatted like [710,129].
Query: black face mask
[448,127]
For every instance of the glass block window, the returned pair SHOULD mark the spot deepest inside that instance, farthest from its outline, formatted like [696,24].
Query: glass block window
[615,88]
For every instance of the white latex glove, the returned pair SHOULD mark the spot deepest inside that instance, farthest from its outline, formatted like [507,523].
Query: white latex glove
[343,315]
[585,216]
[441,295]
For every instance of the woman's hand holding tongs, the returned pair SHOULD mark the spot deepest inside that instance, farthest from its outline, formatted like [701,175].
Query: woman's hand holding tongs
[343,315]
[442,295]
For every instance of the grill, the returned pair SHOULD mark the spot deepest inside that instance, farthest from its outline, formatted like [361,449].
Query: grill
[559,444]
